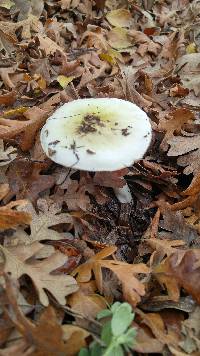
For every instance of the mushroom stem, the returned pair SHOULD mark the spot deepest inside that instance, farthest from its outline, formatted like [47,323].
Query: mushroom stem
[123,194]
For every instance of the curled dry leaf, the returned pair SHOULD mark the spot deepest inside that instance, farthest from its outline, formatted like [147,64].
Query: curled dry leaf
[17,265]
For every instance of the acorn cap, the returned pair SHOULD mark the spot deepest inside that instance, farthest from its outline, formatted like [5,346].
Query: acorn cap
[103,134]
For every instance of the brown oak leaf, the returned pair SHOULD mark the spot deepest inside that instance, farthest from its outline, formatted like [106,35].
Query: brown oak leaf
[26,180]
[127,274]
[20,260]
[35,118]
[173,124]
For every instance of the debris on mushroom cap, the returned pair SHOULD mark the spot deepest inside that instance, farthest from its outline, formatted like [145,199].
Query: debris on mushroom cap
[103,134]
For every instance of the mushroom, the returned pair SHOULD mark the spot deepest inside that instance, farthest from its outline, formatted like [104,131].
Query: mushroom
[102,134]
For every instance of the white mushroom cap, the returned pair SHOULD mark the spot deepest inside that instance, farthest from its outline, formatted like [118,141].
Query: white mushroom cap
[103,134]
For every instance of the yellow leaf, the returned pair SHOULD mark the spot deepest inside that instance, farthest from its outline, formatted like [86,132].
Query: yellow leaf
[64,80]
[119,38]
[191,48]
[7,4]
[119,18]
[14,112]
[108,58]
[42,83]
[111,56]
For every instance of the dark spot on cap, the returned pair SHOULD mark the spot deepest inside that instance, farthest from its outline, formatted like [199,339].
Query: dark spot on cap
[90,152]
[51,152]
[53,143]
[125,132]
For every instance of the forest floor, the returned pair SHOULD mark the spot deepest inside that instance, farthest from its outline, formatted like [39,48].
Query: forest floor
[69,249]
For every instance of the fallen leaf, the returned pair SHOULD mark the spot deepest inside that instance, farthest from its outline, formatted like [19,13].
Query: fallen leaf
[7,42]
[164,247]
[29,26]
[47,335]
[119,38]
[64,81]
[188,148]
[191,48]
[7,155]
[12,218]
[119,18]
[191,331]
[33,7]
[4,189]
[35,118]
[48,45]
[133,289]
[17,265]
[146,342]
[8,99]
[86,302]
[47,216]
[7,4]
[111,179]
[156,325]
[173,124]
[19,347]
[26,180]
[188,70]
[181,269]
